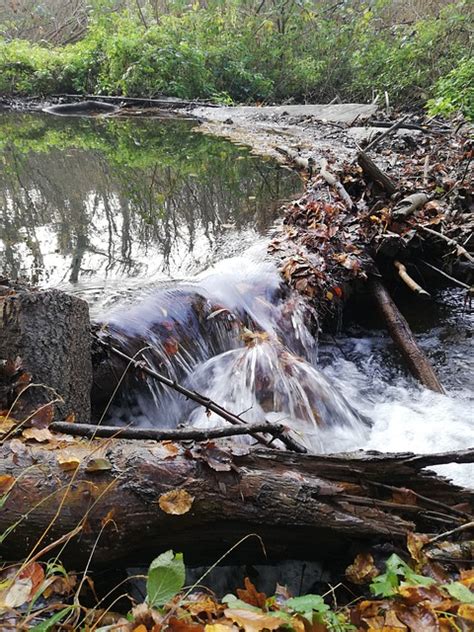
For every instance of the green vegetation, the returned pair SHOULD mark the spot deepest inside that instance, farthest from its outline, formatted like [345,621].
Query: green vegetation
[235,50]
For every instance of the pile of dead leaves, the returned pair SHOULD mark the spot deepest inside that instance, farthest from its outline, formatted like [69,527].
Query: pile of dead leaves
[325,243]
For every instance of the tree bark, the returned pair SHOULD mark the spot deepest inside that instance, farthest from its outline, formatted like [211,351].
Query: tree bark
[49,331]
[301,505]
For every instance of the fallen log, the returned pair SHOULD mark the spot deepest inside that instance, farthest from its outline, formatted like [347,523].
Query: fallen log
[300,505]
[399,330]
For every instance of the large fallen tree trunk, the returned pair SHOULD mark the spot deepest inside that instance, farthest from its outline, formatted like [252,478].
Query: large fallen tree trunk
[114,495]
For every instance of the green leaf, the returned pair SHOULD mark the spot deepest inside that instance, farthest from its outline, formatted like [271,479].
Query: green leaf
[307,603]
[166,577]
[460,592]
[56,618]
[234,602]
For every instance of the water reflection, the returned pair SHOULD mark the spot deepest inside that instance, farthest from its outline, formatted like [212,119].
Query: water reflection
[90,202]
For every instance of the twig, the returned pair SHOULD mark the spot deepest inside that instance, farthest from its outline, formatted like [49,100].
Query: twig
[179,434]
[207,403]
[445,274]
[460,249]
[411,283]
[463,527]
[426,499]
[388,131]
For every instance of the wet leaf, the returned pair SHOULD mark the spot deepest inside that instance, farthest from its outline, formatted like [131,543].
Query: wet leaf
[460,592]
[43,416]
[250,595]
[166,577]
[362,570]
[171,346]
[466,611]
[6,483]
[99,464]
[35,573]
[6,424]
[181,625]
[18,593]
[41,435]
[218,627]
[252,621]
[176,502]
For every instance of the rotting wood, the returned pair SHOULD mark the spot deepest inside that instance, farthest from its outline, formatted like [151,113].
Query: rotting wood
[287,499]
[401,334]
[369,167]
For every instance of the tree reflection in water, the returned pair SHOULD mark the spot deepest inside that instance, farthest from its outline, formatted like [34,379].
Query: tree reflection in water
[94,201]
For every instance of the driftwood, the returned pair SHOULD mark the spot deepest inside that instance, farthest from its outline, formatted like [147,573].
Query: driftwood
[300,505]
[401,334]
[369,167]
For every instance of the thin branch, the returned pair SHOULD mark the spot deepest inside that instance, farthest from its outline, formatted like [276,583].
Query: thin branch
[460,249]
[463,527]
[388,131]
[207,403]
[155,434]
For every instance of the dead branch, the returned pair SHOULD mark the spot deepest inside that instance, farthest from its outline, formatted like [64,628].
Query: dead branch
[369,167]
[178,434]
[334,182]
[388,131]
[411,283]
[401,334]
[459,249]
[409,204]
[208,404]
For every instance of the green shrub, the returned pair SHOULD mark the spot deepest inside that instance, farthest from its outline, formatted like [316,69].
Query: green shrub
[455,92]
[226,51]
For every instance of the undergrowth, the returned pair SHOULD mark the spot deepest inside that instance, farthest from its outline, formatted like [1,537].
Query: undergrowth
[229,51]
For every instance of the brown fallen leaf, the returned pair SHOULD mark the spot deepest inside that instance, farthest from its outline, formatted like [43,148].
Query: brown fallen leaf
[362,570]
[43,416]
[250,595]
[251,621]
[176,502]
[6,483]
[38,434]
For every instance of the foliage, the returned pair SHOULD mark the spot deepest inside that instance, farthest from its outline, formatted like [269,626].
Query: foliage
[455,91]
[387,584]
[235,50]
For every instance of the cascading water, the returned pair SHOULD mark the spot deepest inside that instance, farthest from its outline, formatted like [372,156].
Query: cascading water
[236,336]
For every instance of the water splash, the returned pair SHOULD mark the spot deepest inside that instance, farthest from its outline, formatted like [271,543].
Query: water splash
[237,336]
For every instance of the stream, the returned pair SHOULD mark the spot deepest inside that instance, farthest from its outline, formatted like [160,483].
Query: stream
[164,232]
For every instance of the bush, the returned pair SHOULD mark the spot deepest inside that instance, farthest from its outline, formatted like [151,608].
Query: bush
[227,51]
[455,92]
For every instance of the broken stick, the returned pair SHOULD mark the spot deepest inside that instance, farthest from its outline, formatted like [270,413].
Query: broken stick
[411,283]
[400,332]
